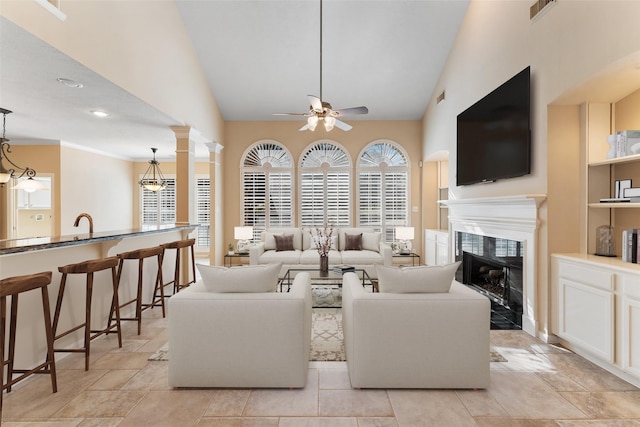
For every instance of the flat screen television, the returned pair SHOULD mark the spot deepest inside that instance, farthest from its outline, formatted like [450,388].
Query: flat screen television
[493,135]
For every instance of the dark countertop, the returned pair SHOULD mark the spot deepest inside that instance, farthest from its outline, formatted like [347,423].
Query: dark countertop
[13,246]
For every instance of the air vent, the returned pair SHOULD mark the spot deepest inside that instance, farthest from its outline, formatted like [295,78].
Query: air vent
[440,98]
[538,6]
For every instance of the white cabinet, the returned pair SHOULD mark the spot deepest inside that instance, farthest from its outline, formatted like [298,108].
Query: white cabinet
[598,311]
[436,247]
[585,304]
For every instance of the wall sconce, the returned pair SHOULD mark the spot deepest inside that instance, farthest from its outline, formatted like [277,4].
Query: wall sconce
[243,235]
[153,180]
[404,235]
[29,184]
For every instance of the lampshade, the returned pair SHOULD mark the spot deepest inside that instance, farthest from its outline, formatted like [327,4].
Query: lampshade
[404,233]
[243,233]
[29,185]
[329,123]
[312,122]
[153,180]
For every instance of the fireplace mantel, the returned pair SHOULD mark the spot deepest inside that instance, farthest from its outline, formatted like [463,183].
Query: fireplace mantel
[509,217]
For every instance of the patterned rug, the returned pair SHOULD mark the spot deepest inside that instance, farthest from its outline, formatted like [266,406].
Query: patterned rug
[327,341]
[326,296]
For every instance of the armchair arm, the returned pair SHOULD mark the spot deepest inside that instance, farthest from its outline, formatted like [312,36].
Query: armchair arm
[385,251]
[254,253]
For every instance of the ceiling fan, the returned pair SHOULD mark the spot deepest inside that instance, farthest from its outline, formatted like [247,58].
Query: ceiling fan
[320,110]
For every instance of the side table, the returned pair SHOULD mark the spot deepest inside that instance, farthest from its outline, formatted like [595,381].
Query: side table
[412,255]
[228,259]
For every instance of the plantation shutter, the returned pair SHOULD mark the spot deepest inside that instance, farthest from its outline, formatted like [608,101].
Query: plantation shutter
[203,212]
[159,207]
[267,187]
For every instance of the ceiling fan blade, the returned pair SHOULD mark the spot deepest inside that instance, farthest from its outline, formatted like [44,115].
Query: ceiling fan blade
[290,114]
[316,103]
[342,125]
[305,127]
[348,111]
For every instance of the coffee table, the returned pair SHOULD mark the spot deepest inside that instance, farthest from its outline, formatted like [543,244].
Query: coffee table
[331,278]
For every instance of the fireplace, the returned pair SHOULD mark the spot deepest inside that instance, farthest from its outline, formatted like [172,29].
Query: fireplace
[511,218]
[493,267]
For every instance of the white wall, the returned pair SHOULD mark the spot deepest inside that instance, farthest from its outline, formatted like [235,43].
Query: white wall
[98,185]
[570,43]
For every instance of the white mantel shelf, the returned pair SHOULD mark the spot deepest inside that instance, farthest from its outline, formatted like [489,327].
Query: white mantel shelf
[508,217]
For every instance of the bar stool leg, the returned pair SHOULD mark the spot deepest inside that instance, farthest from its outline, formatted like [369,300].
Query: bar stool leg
[3,316]
[87,324]
[51,360]
[176,276]
[115,306]
[12,339]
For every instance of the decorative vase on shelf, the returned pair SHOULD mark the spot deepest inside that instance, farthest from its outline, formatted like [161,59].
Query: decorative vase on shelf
[324,264]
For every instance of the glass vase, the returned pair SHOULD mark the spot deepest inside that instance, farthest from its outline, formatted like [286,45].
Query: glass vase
[324,264]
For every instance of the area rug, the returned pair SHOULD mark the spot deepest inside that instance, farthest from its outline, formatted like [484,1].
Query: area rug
[326,297]
[327,340]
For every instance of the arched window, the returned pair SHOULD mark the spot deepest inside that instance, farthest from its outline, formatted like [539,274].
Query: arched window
[383,187]
[325,185]
[267,186]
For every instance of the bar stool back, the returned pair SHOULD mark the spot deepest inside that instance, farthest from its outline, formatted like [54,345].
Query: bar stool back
[178,245]
[13,286]
[157,300]
[89,268]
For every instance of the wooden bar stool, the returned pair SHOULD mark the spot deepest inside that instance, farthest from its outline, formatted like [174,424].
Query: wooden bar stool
[178,245]
[156,301]
[13,286]
[89,268]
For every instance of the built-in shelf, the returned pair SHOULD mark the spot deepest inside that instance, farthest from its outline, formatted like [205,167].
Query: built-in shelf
[617,160]
[614,205]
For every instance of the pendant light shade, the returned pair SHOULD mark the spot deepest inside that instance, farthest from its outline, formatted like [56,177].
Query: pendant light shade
[29,184]
[153,180]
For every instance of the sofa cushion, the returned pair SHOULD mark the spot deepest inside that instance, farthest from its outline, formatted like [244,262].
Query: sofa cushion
[310,257]
[361,258]
[249,278]
[284,243]
[282,231]
[371,241]
[308,243]
[284,257]
[422,279]
[353,242]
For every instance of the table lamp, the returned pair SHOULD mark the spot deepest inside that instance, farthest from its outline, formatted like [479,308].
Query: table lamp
[243,234]
[404,235]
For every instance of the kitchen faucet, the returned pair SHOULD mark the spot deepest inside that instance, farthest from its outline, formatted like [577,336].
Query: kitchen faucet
[86,215]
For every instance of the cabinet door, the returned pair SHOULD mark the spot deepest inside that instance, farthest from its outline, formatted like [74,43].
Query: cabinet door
[586,318]
[631,335]
[430,248]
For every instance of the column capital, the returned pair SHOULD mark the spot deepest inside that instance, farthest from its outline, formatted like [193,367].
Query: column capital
[181,131]
[214,147]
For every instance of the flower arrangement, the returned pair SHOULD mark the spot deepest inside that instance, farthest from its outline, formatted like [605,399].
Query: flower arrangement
[322,239]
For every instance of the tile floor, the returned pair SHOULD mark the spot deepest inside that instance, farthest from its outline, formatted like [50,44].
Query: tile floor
[540,385]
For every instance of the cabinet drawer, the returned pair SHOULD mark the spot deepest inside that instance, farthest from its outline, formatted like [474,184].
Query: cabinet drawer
[587,276]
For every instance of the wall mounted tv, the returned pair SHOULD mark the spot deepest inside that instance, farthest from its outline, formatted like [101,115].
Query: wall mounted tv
[494,137]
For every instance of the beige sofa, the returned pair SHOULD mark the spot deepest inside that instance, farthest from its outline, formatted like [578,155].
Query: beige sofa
[240,339]
[305,254]
[416,340]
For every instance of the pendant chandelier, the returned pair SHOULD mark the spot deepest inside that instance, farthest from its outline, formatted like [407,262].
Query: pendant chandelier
[29,184]
[153,180]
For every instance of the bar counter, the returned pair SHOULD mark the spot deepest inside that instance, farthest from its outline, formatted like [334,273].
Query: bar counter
[28,256]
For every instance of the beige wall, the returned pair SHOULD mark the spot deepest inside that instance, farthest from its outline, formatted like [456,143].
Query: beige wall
[241,135]
[98,185]
[581,50]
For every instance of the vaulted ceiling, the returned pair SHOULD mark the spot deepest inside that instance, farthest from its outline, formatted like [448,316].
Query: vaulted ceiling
[260,57]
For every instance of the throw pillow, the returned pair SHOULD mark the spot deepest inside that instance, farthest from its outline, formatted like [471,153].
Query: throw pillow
[423,279]
[353,242]
[246,278]
[270,241]
[284,243]
[371,241]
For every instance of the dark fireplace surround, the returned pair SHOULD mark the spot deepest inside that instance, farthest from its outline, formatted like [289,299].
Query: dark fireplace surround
[493,267]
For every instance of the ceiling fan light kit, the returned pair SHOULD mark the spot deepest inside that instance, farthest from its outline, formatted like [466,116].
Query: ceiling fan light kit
[320,110]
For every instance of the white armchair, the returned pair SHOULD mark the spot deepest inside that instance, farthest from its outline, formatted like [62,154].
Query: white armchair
[415,340]
[240,339]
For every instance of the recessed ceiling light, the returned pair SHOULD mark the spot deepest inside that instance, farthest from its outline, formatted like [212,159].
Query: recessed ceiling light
[100,113]
[69,83]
